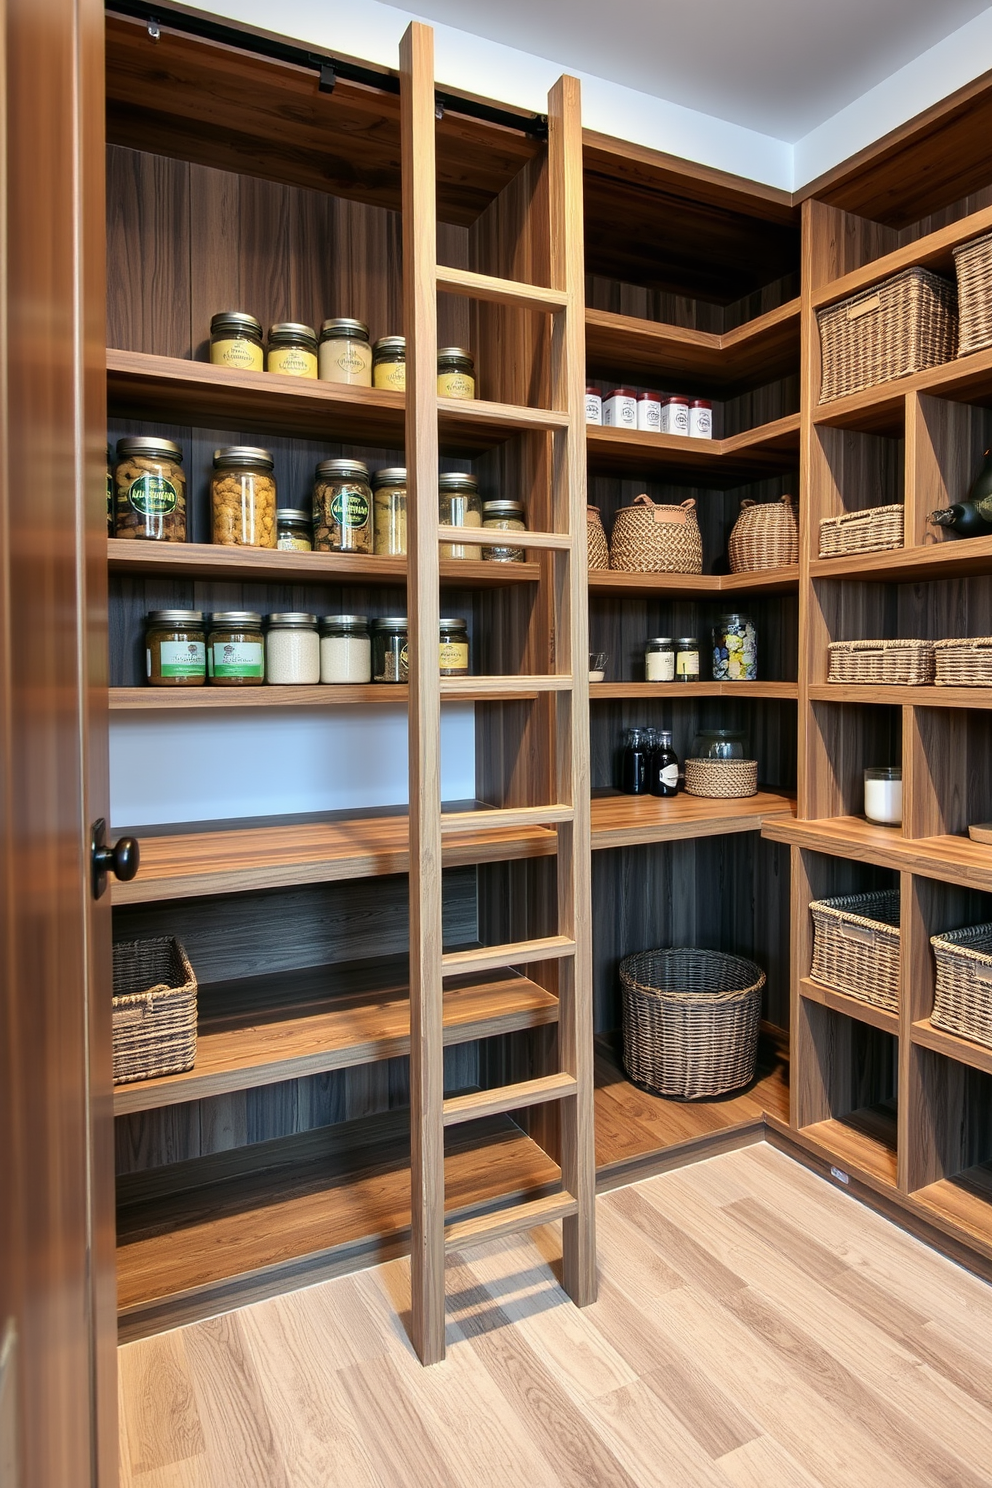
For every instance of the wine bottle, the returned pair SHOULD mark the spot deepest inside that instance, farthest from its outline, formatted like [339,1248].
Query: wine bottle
[973,516]
[663,773]
[634,765]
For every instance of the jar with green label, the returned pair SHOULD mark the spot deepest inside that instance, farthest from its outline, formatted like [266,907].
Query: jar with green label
[293,530]
[243,497]
[344,353]
[453,656]
[236,341]
[235,649]
[459,506]
[389,363]
[455,373]
[150,490]
[390,656]
[292,350]
[175,649]
[110,490]
[342,507]
[389,511]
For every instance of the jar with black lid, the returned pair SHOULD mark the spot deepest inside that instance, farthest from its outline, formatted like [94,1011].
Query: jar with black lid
[150,489]
[292,349]
[659,660]
[505,516]
[344,353]
[175,648]
[342,507]
[453,653]
[687,659]
[459,506]
[389,363]
[236,341]
[235,649]
[293,530]
[390,657]
[455,373]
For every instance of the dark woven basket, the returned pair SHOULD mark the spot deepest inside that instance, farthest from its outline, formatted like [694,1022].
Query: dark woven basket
[154,1013]
[690,1021]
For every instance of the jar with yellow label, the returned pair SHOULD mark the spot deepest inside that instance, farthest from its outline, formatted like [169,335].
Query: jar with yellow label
[453,654]
[455,373]
[505,516]
[459,506]
[243,497]
[293,530]
[236,341]
[342,507]
[150,489]
[389,363]
[344,353]
[389,511]
[292,350]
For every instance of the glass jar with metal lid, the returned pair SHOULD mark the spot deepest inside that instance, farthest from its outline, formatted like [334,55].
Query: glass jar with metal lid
[243,497]
[459,506]
[344,353]
[150,489]
[345,649]
[292,650]
[389,363]
[505,516]
[659,660]
[453,650]
[687,659]
[719,744]
[389,510]
[294,530]
[390,657]
[342,507]
[175,648]
[236,341]
[235,649]
[455,373]
[292,349]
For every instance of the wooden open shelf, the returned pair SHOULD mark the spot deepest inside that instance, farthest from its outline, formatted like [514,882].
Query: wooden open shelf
[250,699]
[628,821]
[964,1199]
[864,1140]
[770,449]
[686,691]
[965,1051]
[851,1007]
[921,697]
[881,409]
[955,558]
[955,860]
[933,251]
[692,586]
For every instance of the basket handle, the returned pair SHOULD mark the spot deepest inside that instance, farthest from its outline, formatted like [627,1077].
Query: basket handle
[747,503]
[856,932]
[592,513]
[678,515]
[981,973]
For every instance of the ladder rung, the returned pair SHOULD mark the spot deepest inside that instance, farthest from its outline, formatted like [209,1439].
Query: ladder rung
[454,412]
[472,537]
[500,291]
[478,687]
[517,953]
[526,1216]
[508,1098]
[510,816]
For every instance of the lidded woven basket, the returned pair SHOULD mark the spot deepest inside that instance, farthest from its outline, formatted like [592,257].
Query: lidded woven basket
[599,548]
[903,325]
[868,531]
[765,535]
[651,538]
[964,663]
[894,663]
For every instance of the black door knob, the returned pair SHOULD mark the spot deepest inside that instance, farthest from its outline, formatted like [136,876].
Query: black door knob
[121,860]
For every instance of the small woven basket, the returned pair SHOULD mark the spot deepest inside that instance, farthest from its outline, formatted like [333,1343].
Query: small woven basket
[965,663]
[765,535]
[599,548]
[903,325]
[973,266]
[894,663]
[856,946]
[723,779]
[962,1002]
[656,539]
[690,1021]
[868,531]
[154,1010]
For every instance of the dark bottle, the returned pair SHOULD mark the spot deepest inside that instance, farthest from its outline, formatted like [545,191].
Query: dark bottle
[973,517]
[634,765]
[663,772]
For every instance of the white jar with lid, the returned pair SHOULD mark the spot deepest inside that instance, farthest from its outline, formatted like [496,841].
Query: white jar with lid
[700,419]
[649,412]
[292,650]
[620,409]
[345,649]
[675,416]
[594,406]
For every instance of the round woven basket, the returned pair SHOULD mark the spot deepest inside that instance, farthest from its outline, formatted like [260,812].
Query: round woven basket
[656,539]
[724,779]
[599,550]
[765,535]
[690,1021]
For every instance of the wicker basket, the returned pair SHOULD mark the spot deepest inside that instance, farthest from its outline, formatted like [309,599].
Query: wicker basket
[765,535]
[690,1021]
[973,266]
[903,325]
[599,548]
[962,1001]
[856,946]
[154,1015]
[894,663]
[656,539]
[723,779]
[965,663]
[862,531]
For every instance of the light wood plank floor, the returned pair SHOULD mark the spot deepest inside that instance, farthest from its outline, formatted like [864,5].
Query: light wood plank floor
[755,1328]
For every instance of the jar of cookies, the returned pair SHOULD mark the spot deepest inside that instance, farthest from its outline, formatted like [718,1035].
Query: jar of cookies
[342,507]
[149,490]
[389,511]
[243,497]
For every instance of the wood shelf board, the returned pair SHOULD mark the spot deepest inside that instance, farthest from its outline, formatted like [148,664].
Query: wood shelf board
[684,586]
[769,449]
[934,251]
[882,409]
[955,860]
[865,1140]
[851,1007]
[768,691]
[627,821]
[954,558]
[965,1200]
[920,697]
[379,694]
[965,1051]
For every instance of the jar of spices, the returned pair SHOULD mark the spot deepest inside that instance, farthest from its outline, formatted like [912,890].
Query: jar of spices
[390,657]
[594,405]
[243,497]
[504,516]
[110,490]
[235,649]
[659,660]
[620,409]
[735,649]
[175,649]
[687,659]
[292,650]
[649,412]
[700,419]
[236,341]
[453,654]
[459,506]
[293,530]
[675,416]
[344,353]
[150,490]
[342,507]
[389,363]
[292,349]
[345,649]
[389,511]
[455,373]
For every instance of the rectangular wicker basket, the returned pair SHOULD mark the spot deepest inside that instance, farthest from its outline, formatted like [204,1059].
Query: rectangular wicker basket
[862,531]
[154,1010]
[962,1001]
[964,663]
[973,266]
[856,946]
[892,663]
[903,325]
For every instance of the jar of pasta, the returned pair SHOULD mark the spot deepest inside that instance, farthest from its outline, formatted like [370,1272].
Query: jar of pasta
[235,649]
[455,373]
[390,657]
[293,530]
[150,490]
[459,506]
[453,653]
[505,516]
[243,497]
[344,353]
[389,510]
[236,341]
[389,363]
[292,349]
[175,649]
[342,507]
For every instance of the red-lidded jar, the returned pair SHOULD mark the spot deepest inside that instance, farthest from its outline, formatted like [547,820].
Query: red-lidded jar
[620,409]
[594,406]
[701,419]
[675,419]
[649,412]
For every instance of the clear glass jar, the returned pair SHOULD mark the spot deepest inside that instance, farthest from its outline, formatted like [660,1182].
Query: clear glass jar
[687,659]
[735,649]
[455,373]
[292,350]
[235,649]
[659,660]
[389,364]
[292,650]
[504,516]
[150,490]
[459,506]
[293,530]
[345,649]
[110,490]
[390,657]
[720,744]
[342,507]
[236,341]
[389,511]
[453,653]
[344,353]
[243,497]
[175,648]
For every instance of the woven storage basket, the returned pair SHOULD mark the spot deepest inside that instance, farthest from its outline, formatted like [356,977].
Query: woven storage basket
[656,539]
[973,266]
[599,548]
[962,1002]
[903,325]
[862,531]
[895,663]
[856,946]
[965,663]
[765,535]
[154,1014]
[690,1021]
[722,779]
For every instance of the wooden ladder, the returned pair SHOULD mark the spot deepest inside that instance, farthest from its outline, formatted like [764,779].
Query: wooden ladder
[565,575]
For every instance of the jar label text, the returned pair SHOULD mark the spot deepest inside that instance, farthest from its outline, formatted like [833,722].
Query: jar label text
[153,496]
[350,509]
[237,659]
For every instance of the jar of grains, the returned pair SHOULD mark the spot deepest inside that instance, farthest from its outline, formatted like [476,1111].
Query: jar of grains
[175,649]
[236,341]
[344,353]
[293,530]
[505,516]
[292,349]
[342,507]
[390,658]
[453,653]
[345,649]
[150,490]
[389,510]
[235,649]
[389,363]
[110,490]
[292,650]
[243,497]
[459,506]
[455,373]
